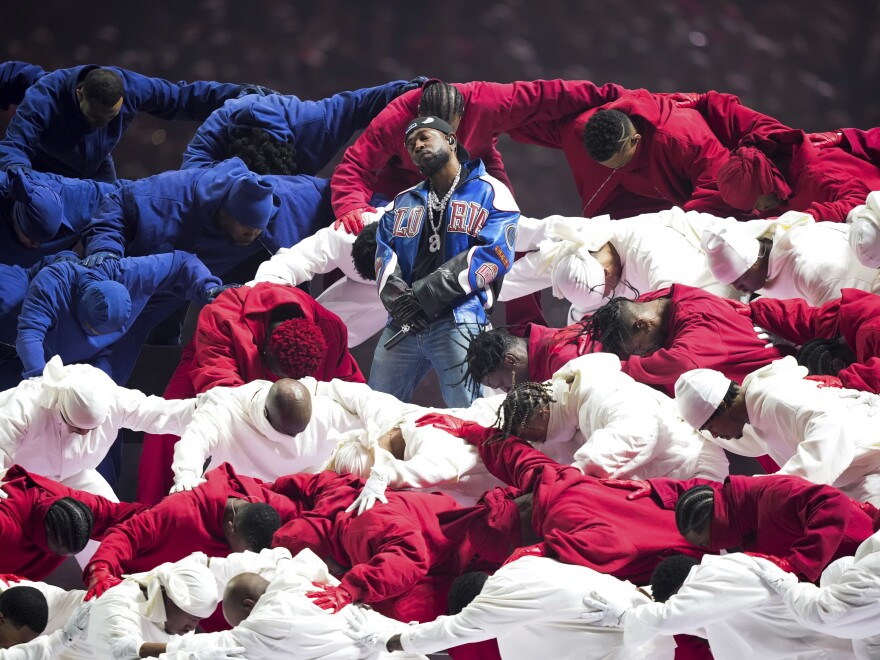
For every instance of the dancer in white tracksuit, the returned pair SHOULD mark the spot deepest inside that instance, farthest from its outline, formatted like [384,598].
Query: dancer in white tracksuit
[535,607]
[826,435]
[62,424]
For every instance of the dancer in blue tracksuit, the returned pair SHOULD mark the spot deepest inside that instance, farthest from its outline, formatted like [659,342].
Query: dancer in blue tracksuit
[71,119]
[102,315]
[225,214]
[441,255]
[15,78]
[316,130]
[41,214]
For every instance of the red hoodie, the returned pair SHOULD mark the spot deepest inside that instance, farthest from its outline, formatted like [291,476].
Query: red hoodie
[855,316]
[675,164]
[379,163]
[23,521]
[809,525]
[231,333]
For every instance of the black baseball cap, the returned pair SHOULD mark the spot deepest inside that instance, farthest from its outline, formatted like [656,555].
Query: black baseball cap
[438,125]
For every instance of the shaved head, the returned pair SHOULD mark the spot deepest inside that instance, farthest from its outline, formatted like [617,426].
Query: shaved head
[241,594]
[289,406]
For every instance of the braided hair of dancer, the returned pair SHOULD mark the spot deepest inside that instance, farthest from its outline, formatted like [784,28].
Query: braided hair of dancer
[261,152]
[522,412]
[491,358]
[69,524]
[442,100]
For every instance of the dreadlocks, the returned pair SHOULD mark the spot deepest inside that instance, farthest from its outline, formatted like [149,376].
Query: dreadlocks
[441,100]
[485,354]
[609,325]
[70,523]
[521,403]
[262,153]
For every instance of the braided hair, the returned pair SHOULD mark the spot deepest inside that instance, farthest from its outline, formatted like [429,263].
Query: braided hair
[441,100]
[70,523]
[825,357]
[604,134]
[261,152]
[669,575]
[694,509]
[519,405]
[485,354]
[609,325]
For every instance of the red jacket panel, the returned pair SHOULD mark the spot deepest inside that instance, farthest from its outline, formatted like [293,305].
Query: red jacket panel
[551,348]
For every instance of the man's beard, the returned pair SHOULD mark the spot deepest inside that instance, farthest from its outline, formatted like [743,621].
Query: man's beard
[435,162]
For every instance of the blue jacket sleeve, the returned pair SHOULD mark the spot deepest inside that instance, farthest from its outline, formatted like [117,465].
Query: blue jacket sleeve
[47,294]
[30,121]
[207,145]
[388,275]
[15,79]
[479,266]
[177,273]
[167,100]
[348,112]
[107,230]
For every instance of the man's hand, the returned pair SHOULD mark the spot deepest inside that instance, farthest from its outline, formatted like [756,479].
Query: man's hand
[536,550]
[329,597]
[415,83]
[100,580]
[686,99]
[212,293]
[364,633]
[776,578]
[640,488]
[186,481]
[406,310]
[826,139]
[98,258]
[373,491]
[353,221]
[602,612]
[470,432]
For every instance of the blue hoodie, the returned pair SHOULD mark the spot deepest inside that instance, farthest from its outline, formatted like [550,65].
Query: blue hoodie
[80,199]
[176,211]
[50,133]
[318,129]
[15,78]
[48,324]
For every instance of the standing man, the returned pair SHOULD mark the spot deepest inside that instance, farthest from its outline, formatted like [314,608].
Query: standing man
[71,119]
[441,255]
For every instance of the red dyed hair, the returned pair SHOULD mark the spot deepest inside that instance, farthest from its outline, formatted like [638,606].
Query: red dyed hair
[299,346]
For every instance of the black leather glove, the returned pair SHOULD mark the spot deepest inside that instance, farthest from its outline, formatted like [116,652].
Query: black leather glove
[406,310]
[261,90]
[415,83]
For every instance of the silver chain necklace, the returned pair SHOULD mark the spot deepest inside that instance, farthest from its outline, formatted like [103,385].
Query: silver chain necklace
[439,205]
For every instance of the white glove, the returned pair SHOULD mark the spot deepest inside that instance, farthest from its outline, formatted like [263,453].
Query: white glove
[3,493]
[364,633]
[774,577]
[76,624]
[604,613]
[186,481]
[373,490]
[771,339]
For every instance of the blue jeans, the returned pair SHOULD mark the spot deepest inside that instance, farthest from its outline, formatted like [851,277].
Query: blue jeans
[442,346]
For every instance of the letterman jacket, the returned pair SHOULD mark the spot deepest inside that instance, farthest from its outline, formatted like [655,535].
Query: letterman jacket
[477,244]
